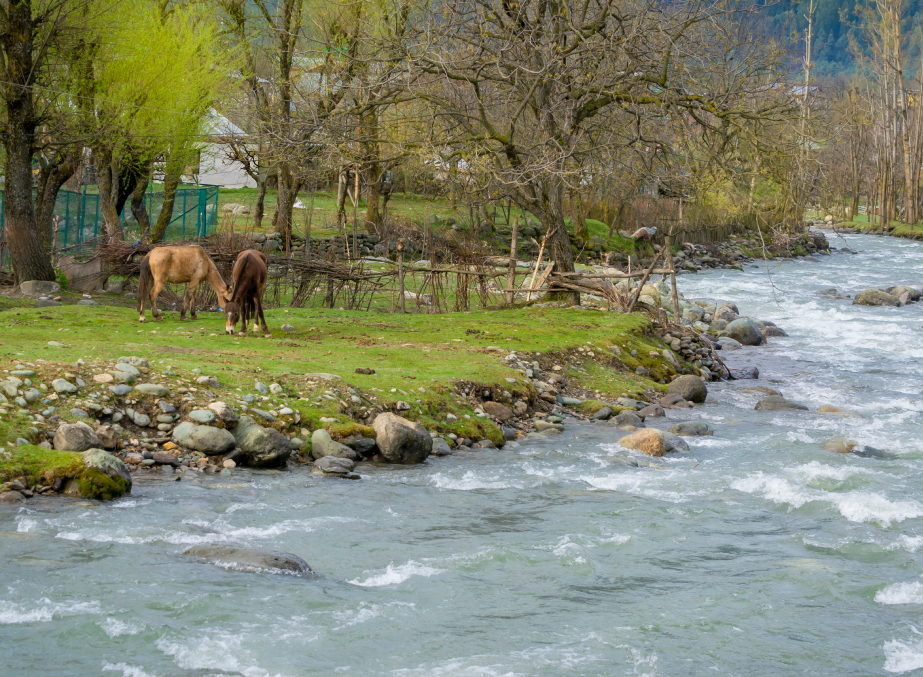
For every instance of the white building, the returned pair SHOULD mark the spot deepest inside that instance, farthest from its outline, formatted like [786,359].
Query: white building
[215,166]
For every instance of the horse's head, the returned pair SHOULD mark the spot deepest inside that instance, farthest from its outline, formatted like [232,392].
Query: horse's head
[231,314]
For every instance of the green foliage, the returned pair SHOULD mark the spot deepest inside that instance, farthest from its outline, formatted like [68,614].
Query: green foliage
[61,278]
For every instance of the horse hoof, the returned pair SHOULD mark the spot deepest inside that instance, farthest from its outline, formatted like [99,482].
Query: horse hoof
[267,335]
[242,333]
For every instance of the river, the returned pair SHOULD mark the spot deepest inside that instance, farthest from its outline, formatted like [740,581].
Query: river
[756,553]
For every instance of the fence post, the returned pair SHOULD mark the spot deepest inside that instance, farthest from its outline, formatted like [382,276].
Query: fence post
[67,213]
[184,215]
[511,273]
[203,202]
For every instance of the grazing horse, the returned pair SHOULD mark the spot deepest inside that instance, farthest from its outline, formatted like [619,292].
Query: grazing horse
[247,301]
[189,264]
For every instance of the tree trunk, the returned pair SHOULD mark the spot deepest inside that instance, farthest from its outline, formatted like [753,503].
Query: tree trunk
[372,158]
[108,177]
[260,207]
[170,182]
[342,181]
[138,209]
[558,243]
[52,176]
[30,260]
[285,201]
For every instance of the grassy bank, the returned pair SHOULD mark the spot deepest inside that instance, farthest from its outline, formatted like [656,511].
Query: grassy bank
[438,365]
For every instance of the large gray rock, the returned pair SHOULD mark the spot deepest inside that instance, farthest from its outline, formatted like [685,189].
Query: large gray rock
[39,288]
[75,437]
[322,445]
[224,413]
[652,411]
[134,361]
[400,440]
[674,443]
[501,412]
[107,463]
[912,293]
[726,313]
[208,440]
[261,447]
[334,465]
[689,387]
[62,386]
[251,561]
[744,331]
[627,418]
[691,429]
[152,389]
[441,447]
[779,403]
[875,297]
[602,414]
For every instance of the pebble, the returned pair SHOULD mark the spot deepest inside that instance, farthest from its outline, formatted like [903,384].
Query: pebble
[62,386]
[103,378]
[275,389]
[120,390]
[152,389]
[202,415]
[261,388]
[285,411]
[265,414]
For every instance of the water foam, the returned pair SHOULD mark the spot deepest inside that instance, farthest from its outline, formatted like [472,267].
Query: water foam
[855,506]
[909,592]
[127,670]
[221,652]
[469,481]
[903,657]
[12,613]
[394,575]
[116,628]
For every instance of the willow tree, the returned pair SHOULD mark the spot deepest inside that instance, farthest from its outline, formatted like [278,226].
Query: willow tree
[533,92]
[152,73]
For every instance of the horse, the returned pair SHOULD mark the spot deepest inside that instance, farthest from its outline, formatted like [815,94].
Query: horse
[249,276]
[188,264]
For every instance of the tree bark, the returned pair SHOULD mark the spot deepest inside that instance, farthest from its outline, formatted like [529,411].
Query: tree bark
[30,260]
[342,181]
[558,242]
[170,182]
[260,207]
[138,209]
[52,176]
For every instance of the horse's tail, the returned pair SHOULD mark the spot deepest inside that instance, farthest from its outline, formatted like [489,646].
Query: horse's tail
[145,281]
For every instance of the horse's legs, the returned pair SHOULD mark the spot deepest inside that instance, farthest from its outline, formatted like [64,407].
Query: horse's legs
[259,309]
[156,288]
[244,304]
[141,307]
[191,299]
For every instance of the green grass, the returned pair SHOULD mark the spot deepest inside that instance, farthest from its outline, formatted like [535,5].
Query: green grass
[418,359]
[37,465]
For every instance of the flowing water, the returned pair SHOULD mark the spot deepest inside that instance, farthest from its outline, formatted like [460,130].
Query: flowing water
[756,553]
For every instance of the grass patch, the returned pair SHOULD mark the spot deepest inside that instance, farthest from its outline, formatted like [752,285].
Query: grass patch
[39,466]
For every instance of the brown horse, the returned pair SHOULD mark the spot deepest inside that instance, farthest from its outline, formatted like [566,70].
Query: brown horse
[189,264]
[249,283]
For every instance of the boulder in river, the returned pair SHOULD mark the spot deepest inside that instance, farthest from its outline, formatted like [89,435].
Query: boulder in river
[744,373]
[912,294]
[875,297]
[75,437]
[691,429]
[689,387]
[627,418]
[334,465]
[839,445]
[103,461]
[501,412]
[261,447]
[649,440]
[208,440]
[400,440]
[779,403]
[830,409]
[249,560]
[727,313]
[744,331]
[602,414]
[674,443]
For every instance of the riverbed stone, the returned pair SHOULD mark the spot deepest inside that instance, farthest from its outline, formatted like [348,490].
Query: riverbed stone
[649,440]
[120,390]
[499,411]
[602,414]
[830,409]
[261,447]
[210,441]
[224,413]
[334,465]
[689,387]
[203,416]
[441,447]
[127,369]
[400,440]
[674,443]
[627,418]
[75,437]
[323,445]
[652,411]
[912,293]
[152,390]
[99,459]
[779,403]
[250,560]
[744,331]
[134,361]
[839,445]
[875,297]
[691,429]
[108,438]
[61,385]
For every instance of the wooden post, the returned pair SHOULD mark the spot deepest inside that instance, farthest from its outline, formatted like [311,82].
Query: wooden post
[400,272]
[538,263]
[307,229]
[647,274]
[511,274]
[673,293]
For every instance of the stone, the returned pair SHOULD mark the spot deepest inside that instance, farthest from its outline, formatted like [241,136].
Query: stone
[228,463]
[498,411]
[671,399]
[261,447]
[134,361]
[31,395]
[75,437]
[839,445]
[250,560]
[689,387]
[287,328]
[726,313]
[103,461]
[544,426]
[627,418]
[152,390]
[87,302]
[744,331]
[261,388]
[62,386]
[652,411]
[875,297]
[264,415]
[744,373]
[210,441]
[139,418]
[570,401]
[120,390]
[484,444]
[11,497]
[165,459]
[103,378]
[400,440]
[323,445]
[364,446]
[440,447]
[779,403]
[79,413]
[691,429]
[320,376]
[649,440]
[224,413]
[771,330]
[39,288]
[830,409]
[46,303]
[334,465]
[913,294]
[602,414]
[276,389]
[108,438]
[203,416]
[673,443]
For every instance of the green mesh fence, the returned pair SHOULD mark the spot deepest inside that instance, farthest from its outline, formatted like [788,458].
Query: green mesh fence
[80,222]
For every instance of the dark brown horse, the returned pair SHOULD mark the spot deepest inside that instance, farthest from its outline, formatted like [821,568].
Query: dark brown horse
[247,296]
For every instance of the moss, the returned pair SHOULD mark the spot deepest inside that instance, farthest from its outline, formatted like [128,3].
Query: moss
[97,485]
[590,407]
[39,466]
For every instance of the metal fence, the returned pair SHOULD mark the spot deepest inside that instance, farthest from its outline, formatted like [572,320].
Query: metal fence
[80,223]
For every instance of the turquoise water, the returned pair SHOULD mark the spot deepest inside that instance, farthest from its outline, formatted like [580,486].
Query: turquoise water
[756,553]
